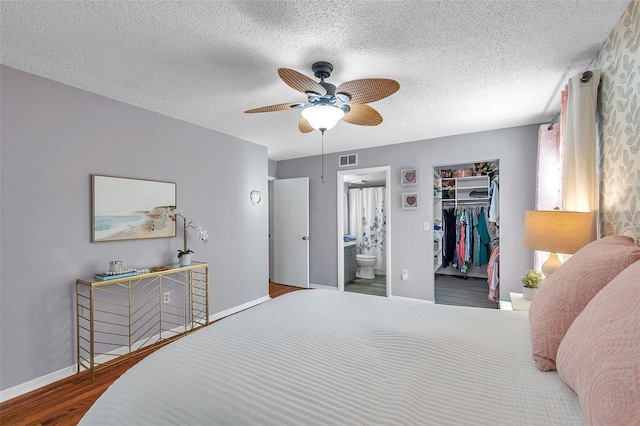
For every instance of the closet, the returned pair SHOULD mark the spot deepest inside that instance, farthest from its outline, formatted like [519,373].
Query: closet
[466,229]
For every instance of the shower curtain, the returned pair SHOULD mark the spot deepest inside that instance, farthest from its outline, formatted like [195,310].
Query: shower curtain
[367,222]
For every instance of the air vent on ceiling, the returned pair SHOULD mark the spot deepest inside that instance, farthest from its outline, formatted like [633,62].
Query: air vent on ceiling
[348,160]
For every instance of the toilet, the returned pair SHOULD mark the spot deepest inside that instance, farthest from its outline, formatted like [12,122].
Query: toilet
[365,264]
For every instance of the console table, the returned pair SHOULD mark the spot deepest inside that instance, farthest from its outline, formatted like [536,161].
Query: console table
[118,317]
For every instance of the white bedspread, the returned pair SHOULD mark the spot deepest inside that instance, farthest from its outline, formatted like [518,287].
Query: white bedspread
[323,357]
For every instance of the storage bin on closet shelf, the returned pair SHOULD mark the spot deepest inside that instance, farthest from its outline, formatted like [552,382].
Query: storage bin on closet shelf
[460,173]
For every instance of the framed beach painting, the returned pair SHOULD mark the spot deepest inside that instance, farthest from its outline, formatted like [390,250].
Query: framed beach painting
[131,209]
[408,177]
[409,200]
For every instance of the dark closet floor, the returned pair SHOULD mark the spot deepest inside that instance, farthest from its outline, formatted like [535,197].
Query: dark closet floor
[460,291]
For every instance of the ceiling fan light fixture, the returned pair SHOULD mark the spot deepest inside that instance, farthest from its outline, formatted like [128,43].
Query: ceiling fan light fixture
[323,117]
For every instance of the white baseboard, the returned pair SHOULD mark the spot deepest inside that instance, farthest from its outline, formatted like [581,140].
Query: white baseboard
[238,308]
[322,286]
[63,373]
[411,299]
[37,383]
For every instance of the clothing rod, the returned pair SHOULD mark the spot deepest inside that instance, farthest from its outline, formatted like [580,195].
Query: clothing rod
[479,201]
[485,201]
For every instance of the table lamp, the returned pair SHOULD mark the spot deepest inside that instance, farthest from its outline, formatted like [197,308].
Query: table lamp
[556,231]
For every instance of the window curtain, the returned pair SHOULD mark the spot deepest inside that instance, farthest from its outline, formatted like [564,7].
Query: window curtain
[367,222]
[550,160]
[549,176]
[580,191]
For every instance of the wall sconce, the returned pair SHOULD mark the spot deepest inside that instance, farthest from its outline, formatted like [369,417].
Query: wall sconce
[255,197]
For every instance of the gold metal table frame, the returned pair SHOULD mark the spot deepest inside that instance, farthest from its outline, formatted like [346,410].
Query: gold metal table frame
[116,318]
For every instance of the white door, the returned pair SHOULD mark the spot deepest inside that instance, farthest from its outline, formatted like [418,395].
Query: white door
[291,232]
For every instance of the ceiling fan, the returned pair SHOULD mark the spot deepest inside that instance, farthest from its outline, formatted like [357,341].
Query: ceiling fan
[328,104]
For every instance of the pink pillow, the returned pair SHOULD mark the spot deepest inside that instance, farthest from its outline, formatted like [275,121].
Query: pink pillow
[565,293]
[600,355]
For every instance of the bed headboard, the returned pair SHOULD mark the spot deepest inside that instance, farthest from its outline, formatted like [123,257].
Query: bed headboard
[630,232]
[619,126]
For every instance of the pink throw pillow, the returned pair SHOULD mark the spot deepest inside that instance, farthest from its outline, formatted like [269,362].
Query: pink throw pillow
[565,293]
[599,356]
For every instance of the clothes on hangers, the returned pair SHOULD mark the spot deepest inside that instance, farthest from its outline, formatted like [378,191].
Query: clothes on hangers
[493,272]
[449,238]
[494,202]
[466,237]
[485,238]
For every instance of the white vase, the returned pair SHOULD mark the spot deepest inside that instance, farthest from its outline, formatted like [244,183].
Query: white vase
[528,293]
[185,259]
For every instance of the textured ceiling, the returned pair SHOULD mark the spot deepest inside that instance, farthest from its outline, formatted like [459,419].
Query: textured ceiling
[463,66]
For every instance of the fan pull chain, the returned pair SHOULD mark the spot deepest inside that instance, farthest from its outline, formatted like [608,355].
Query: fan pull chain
[322,159]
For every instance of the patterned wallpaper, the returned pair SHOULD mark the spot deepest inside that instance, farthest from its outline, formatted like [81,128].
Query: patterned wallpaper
[619,116]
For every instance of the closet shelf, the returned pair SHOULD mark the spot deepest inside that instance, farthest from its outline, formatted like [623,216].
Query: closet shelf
[471,187]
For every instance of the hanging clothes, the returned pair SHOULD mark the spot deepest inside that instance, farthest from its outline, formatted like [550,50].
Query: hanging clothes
[485,239]
[493,272]
[469,228]
[476,237]
[456,254]
[466,239]
[449,238]
[494,203]
[463,243]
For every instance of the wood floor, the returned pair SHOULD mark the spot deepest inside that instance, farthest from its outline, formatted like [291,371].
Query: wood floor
[460,291]
[66,401]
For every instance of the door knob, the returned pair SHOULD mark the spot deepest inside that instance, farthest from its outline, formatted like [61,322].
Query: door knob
[306,238]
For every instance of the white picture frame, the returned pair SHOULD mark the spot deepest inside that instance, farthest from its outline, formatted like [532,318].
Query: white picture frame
[408,177]
[410,201]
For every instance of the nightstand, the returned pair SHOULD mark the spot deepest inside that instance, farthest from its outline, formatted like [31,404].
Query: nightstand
[505,305]
[518,302]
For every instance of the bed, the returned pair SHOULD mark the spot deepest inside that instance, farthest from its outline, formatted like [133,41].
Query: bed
[321,357]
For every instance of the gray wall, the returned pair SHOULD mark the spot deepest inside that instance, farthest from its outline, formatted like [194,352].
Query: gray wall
[52,138]
[273,168]
[411,247]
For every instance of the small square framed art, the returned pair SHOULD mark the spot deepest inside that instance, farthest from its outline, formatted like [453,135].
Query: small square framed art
[409,200]
[408,177]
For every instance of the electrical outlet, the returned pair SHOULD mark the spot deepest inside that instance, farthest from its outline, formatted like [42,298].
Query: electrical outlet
[166,297]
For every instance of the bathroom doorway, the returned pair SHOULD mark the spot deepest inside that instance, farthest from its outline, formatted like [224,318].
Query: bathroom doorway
[364,260]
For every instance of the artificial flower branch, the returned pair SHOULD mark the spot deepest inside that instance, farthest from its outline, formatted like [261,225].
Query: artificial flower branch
[200,232]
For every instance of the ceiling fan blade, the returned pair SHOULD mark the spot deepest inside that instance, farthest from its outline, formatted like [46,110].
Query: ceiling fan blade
[304,126]
[300,82]
[362,115]
[272,108]
[367,90]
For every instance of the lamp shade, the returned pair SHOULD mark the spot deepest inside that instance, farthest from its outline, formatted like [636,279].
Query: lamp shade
[323,117]
[557,231]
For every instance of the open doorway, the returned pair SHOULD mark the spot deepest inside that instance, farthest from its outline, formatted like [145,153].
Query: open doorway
[364,258]
[466,234]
